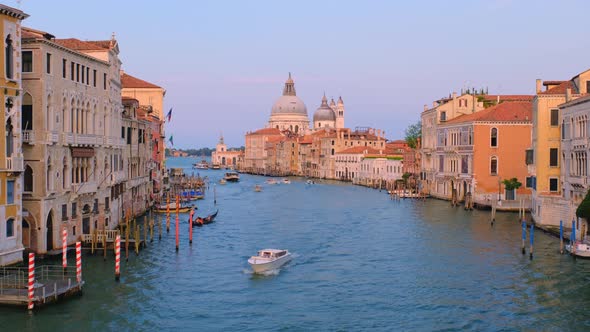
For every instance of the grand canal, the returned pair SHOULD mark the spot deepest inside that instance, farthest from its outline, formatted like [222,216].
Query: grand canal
[362,262]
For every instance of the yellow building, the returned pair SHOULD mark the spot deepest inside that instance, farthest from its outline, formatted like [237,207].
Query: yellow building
[11,158]
[545,158]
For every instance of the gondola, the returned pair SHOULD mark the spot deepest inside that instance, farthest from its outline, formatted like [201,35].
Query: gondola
[172,208]
[204,221]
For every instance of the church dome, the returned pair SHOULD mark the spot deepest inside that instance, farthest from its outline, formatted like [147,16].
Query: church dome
[289,103]
[324,112]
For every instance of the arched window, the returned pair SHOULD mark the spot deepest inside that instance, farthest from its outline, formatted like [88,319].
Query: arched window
[10,227]
[28,179]
[296,129]
[494,137]
[8,53]
[494,165]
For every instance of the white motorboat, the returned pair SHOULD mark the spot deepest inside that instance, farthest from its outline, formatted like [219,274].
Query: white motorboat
[271,181]
[202,165]
[269,259]
[310,182]
[580,249]
[286,181]
[232,177]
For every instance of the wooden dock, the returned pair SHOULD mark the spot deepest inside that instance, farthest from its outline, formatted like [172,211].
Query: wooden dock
[52,283]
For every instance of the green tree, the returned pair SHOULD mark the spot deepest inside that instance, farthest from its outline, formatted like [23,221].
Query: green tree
[512,184]
[413,133]
[583,210]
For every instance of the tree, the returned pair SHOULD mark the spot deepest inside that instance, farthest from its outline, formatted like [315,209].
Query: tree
[413,133]
[583,210]
[512,184]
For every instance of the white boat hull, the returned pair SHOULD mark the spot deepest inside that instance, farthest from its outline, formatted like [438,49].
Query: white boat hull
[263,265]
[581,250]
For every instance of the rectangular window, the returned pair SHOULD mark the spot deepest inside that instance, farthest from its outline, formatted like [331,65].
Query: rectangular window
[94,77]
[104,81]
[441,163]
[553,185]
[510,195]
[64,64]
[554,117]
[10,227]
[83,70]
[74,210]
[95,208]
[77,72]
[129,135]
[529,156]
[106,203]
[553,157]
[64,212]
[10,192]
[123,132]
[87,76]
[464,164]
[27,117]
[48,63]
[27,61]
[72,70]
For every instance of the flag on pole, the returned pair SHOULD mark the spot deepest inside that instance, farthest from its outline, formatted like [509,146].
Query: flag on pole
[169,115]
[171,140]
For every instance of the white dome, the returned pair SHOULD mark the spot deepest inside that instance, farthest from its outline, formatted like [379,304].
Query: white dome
[289,105]
[324,112]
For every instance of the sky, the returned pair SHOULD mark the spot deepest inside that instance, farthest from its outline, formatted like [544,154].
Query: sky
[223,63]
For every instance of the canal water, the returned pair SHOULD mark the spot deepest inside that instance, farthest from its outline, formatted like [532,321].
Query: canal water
[362,262]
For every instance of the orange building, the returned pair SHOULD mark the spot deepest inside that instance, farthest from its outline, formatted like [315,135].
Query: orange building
[481,150]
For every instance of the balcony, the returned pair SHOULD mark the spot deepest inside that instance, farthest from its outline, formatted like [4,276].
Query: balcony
[28,136]
[52,136]
[14,164]
[84,188]
[80,139]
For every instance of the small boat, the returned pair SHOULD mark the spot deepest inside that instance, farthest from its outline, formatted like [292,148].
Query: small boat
[580,249]
[232,177]
[222,181]
[201,165]
[204,221]
[271,181]
[310,182]
[286,181]
[216,166]
[269,259]
[172,208]
[257,188]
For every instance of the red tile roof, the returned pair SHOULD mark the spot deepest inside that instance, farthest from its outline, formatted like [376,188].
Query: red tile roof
[266,131]
[560,89]
[80,45]
[503,112]
[128,81]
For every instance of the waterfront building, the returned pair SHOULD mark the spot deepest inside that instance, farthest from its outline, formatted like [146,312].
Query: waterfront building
[12,232]
[137,192]
[575,146]
[73,150]
[255,155]
[224,157]
[380,170]
[151,100]
[549,204]
[476,152]
[348,162]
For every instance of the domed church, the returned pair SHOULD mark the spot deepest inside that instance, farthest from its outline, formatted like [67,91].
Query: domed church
[290,113]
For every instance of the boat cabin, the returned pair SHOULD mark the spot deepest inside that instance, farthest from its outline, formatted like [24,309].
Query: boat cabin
[272,253]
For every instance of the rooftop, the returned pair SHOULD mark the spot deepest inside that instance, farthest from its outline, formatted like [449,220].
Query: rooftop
[503,112]
[132,82]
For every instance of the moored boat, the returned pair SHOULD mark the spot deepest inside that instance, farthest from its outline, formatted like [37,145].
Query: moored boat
[271,181]
[269,259]
[201,165]
[579,249]
[216,166]
[183,208]
[310,182]
[232,177]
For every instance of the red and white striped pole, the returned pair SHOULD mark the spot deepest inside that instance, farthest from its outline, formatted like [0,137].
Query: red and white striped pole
[64,255]
[190,227]
[79,262]
[31,280]
[117,257]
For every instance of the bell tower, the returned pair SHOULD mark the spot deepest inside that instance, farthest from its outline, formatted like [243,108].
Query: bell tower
[339,113]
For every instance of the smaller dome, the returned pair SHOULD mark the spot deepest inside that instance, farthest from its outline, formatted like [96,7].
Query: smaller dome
[324,112]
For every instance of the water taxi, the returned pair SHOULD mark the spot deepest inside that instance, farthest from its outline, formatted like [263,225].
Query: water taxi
[269,259]
[216,166]
[310,182]
[232,177]
[286,181]
[257,188]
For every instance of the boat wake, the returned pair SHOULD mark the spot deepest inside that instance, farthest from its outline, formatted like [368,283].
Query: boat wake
[268,273]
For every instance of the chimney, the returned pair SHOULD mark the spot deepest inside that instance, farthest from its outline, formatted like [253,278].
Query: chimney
[498,99]
[568,94]
[425,107]
[539,84]
[454,95]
